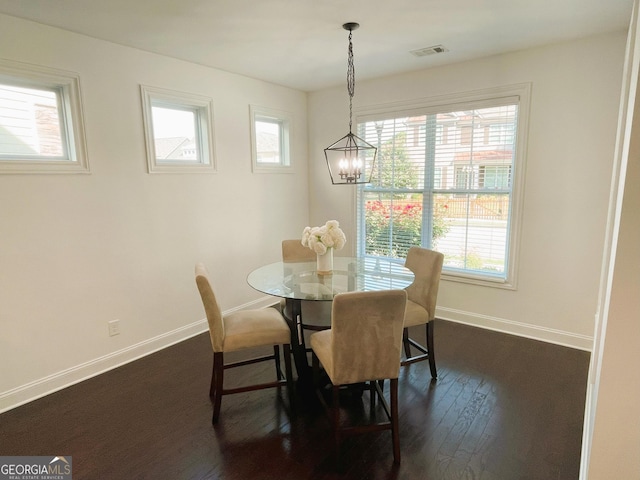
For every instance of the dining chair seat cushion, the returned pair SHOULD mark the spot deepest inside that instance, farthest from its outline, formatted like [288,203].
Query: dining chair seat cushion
[415,314]
[254,328]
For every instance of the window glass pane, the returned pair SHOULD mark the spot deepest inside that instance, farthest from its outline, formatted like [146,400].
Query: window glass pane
[30,126]
[480,150]
[475,233]
[400,159]
[268,141]
[393,223]
[174,134]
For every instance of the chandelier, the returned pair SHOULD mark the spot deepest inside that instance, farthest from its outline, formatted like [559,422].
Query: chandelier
[351,159]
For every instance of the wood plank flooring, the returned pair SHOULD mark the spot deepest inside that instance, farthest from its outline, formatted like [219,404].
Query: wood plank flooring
[503,408]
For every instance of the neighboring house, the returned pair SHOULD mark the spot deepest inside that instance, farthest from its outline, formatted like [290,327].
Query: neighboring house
[175,148]
[29,123]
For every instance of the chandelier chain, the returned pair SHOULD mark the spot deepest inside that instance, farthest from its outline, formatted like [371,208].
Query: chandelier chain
[351,80]
[351,159]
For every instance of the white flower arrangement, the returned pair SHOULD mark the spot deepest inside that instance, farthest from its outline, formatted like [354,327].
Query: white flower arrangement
[320,239]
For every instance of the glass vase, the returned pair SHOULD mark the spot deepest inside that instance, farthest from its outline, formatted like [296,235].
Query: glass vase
[324,263]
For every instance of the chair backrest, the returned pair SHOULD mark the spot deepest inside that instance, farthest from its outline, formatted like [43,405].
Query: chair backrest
[294,251]
[426,265]
[211,308]
[366,331]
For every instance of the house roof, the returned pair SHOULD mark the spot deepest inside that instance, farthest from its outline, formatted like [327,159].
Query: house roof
[166,146]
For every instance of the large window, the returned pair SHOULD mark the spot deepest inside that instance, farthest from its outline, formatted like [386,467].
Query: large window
[41,125]
[447,177]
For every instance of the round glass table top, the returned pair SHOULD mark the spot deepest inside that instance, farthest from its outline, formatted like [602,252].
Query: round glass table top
[301,281]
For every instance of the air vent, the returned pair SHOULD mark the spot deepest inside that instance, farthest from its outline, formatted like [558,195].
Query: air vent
[423,52]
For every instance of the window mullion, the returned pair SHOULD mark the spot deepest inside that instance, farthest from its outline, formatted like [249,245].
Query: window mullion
[429,168]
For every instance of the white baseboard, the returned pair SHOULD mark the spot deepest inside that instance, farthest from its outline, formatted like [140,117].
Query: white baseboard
[52,383]
[549,335]
[587,432]
[65,378]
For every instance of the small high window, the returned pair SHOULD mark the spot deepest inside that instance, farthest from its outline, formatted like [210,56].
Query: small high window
[41,125]
[270,140]
[178,130]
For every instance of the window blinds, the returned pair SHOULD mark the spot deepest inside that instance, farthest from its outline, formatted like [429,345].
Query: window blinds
[443,179]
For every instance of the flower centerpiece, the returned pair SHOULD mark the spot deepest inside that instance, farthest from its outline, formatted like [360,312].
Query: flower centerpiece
[323,240]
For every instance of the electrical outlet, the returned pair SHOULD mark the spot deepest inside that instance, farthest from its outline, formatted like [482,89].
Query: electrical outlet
[114,327]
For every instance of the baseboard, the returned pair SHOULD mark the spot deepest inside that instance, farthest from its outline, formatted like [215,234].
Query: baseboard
[550,335]
[587,432]
[52,383]
[44,386]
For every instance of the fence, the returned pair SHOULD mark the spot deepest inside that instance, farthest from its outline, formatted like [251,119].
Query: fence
[485,207]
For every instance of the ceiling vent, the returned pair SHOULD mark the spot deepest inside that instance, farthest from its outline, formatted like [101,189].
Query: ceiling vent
[423,52]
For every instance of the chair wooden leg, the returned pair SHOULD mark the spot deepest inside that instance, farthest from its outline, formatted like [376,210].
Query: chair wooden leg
[395,434]
[289,376]
[335,419]
[373,393]
[218,380]
[315,370]
[212,387]
[406,343]
[276,358]
[432,356]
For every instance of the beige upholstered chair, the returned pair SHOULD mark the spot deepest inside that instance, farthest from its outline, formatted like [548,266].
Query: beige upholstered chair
[363,345]
[241,330]
[316,315]
[421,304]
[294,251]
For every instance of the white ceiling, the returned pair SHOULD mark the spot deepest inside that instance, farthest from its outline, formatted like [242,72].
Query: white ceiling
[301,43]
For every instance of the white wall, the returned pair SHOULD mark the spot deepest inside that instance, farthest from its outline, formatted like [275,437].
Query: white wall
[79,250]
[616,434]
[612,427]
[572,125]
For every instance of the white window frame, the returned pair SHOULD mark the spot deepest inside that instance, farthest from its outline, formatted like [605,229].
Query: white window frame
[203,110]
[479,98]
[66,86]
[284,121]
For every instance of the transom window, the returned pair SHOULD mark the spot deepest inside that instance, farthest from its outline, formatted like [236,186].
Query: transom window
[178,131]
[270,140]
[456,193]
[41,126]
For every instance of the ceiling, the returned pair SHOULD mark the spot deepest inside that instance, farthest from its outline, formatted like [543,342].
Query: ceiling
[301,43]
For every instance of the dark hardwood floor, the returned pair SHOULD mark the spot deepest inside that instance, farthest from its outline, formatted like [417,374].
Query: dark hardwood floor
[503,408]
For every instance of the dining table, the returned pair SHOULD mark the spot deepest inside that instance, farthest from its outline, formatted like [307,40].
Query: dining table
[300,281]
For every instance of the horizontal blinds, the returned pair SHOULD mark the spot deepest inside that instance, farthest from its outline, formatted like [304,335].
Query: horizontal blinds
[443,179]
